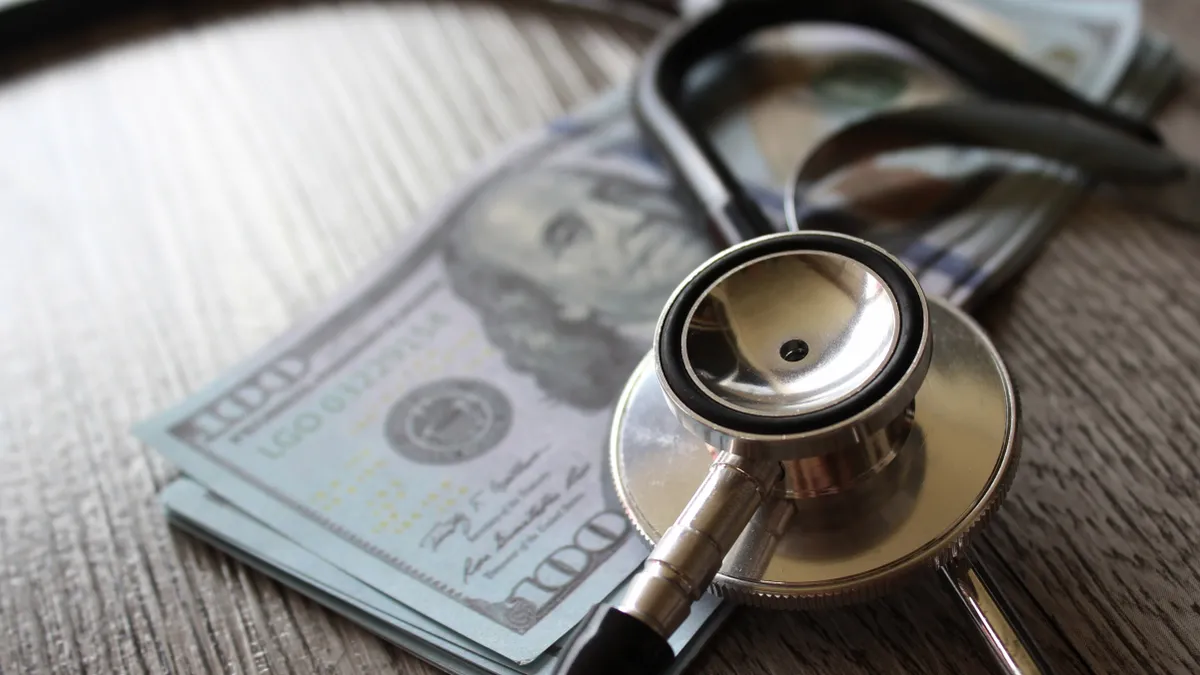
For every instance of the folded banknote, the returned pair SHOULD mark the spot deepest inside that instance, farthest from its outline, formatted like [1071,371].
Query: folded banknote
[195,510]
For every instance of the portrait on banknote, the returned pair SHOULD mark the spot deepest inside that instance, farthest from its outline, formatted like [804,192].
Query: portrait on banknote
[569,263]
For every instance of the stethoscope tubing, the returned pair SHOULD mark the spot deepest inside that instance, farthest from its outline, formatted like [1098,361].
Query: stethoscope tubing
[1022,110]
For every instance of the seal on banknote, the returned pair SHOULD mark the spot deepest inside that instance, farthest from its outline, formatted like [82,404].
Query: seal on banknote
[448,421]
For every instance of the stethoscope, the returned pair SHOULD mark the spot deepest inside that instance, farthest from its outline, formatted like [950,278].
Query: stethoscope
[809,428]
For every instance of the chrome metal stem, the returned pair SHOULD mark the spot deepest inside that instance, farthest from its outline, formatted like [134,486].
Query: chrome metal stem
[690,553]
[1011,647]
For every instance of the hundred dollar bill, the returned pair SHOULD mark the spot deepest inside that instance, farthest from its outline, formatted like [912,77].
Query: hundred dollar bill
[437,432]
[197,511]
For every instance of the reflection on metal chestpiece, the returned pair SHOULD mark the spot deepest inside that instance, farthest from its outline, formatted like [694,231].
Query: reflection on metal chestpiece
[791,334]
[796,347]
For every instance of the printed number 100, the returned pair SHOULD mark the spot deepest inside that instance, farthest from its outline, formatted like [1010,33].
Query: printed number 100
[566,567]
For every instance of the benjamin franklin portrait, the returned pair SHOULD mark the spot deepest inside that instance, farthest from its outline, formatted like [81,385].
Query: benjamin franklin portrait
[568,266]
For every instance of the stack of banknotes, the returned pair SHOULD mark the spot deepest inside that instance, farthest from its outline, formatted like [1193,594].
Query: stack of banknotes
[427,455]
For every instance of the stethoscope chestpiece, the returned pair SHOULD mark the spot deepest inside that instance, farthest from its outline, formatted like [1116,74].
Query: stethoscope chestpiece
[810,429]
[794,346]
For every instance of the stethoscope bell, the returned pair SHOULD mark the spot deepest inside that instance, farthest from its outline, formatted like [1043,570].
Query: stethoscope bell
[804,349]
[810,429]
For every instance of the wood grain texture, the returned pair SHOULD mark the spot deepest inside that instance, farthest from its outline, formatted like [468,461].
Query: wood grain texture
[183,186]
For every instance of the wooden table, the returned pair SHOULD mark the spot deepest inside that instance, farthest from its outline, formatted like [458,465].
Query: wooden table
[176,188]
